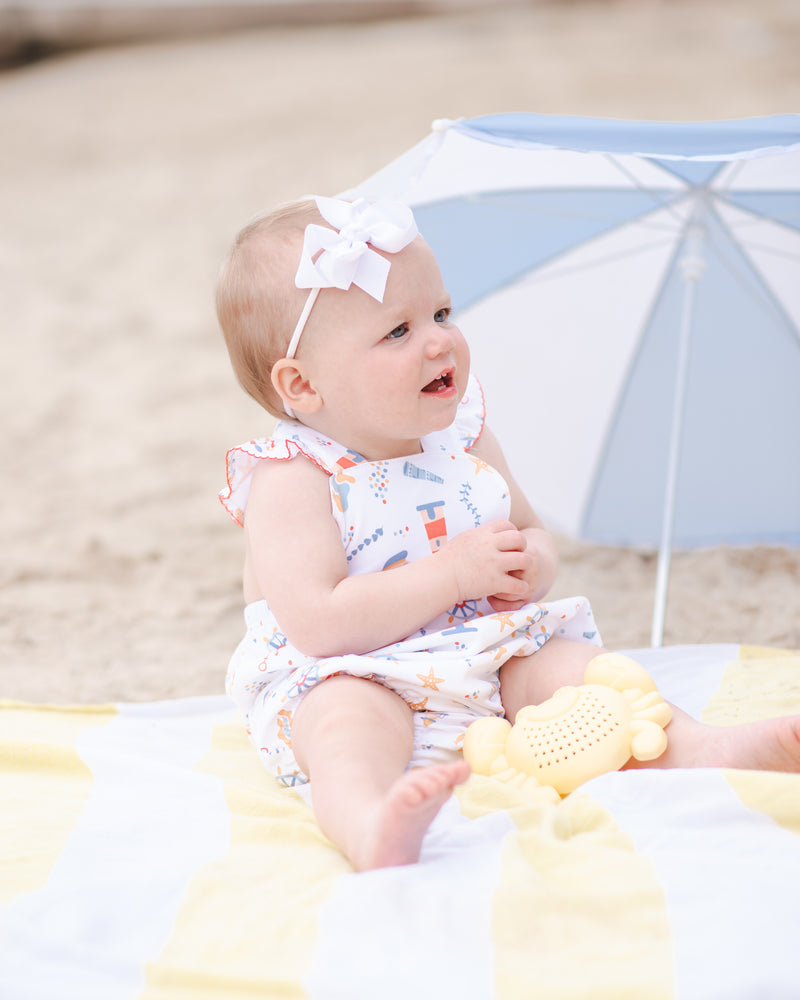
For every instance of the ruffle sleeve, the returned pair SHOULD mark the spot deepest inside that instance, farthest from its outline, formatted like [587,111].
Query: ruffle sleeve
[465,430]
[288,441]
[471,414]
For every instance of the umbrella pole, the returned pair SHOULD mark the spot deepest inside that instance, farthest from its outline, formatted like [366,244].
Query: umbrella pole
[692,266]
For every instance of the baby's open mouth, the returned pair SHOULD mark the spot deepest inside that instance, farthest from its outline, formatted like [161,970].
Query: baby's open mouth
[443,381]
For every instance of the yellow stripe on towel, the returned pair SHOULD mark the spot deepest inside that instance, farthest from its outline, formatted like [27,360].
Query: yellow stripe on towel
[276,856]
[571,878]
[760,684]
[44,787]
[771,793]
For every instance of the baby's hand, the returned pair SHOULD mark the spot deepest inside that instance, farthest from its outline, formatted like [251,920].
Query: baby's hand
[490,560]
[535,576]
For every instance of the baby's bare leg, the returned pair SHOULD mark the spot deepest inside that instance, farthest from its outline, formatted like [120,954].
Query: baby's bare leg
[354,739]
[770,745]
[530,680]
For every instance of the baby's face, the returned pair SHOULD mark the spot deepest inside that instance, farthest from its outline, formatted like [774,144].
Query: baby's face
[388,372]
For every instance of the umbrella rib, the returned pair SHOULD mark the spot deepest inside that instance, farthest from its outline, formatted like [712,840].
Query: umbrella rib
[774,251]
[739,229]
[756,213]
[536,277]
[653,193]
[736,168]
[749,276]
[669,198]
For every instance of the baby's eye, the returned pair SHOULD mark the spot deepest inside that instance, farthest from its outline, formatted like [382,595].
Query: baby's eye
[441,315]
[398,332]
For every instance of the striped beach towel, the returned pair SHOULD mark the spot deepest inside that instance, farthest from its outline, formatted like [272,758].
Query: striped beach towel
[146,855]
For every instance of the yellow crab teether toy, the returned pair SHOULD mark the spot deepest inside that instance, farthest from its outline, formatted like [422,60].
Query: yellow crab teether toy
[578,733]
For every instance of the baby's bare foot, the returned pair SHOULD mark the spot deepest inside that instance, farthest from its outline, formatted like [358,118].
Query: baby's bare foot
[398,826]
[767,745]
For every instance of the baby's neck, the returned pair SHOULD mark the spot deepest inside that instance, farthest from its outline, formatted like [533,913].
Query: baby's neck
[363,445]
[386,454]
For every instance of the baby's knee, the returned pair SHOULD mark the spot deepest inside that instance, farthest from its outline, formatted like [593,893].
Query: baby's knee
[344,703]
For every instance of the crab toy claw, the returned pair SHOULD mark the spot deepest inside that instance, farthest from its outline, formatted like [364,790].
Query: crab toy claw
[579,733]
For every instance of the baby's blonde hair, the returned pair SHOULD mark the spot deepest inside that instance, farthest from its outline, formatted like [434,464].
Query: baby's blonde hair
[256,299]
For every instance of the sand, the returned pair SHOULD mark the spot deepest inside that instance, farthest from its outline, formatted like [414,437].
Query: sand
[125,173]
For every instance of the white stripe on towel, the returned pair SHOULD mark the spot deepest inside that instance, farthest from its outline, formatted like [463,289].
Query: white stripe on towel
[446,951]
[101,925]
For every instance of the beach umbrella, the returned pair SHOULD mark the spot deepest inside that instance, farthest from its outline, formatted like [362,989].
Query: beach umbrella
[631,295]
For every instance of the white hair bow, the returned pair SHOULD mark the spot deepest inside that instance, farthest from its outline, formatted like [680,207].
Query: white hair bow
[340,257]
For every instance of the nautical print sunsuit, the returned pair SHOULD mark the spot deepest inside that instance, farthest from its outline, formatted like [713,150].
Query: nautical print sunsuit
[388,513]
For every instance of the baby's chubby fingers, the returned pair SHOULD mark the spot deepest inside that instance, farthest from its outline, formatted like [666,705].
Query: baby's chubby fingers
[514,583]
[501,603]
[508,537]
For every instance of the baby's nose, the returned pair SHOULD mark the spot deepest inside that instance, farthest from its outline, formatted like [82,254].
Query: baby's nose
[440,340]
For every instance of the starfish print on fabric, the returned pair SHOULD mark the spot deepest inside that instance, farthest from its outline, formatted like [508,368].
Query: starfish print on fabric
[480,464]
[430,680]
[418,706]
[504,619]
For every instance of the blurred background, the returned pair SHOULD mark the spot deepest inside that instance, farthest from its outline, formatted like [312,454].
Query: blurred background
[135,139]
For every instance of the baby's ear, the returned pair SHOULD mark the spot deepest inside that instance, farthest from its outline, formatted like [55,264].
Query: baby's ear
[293,386]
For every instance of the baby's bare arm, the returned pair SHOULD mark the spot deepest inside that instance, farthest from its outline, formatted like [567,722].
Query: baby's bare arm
[296,562]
